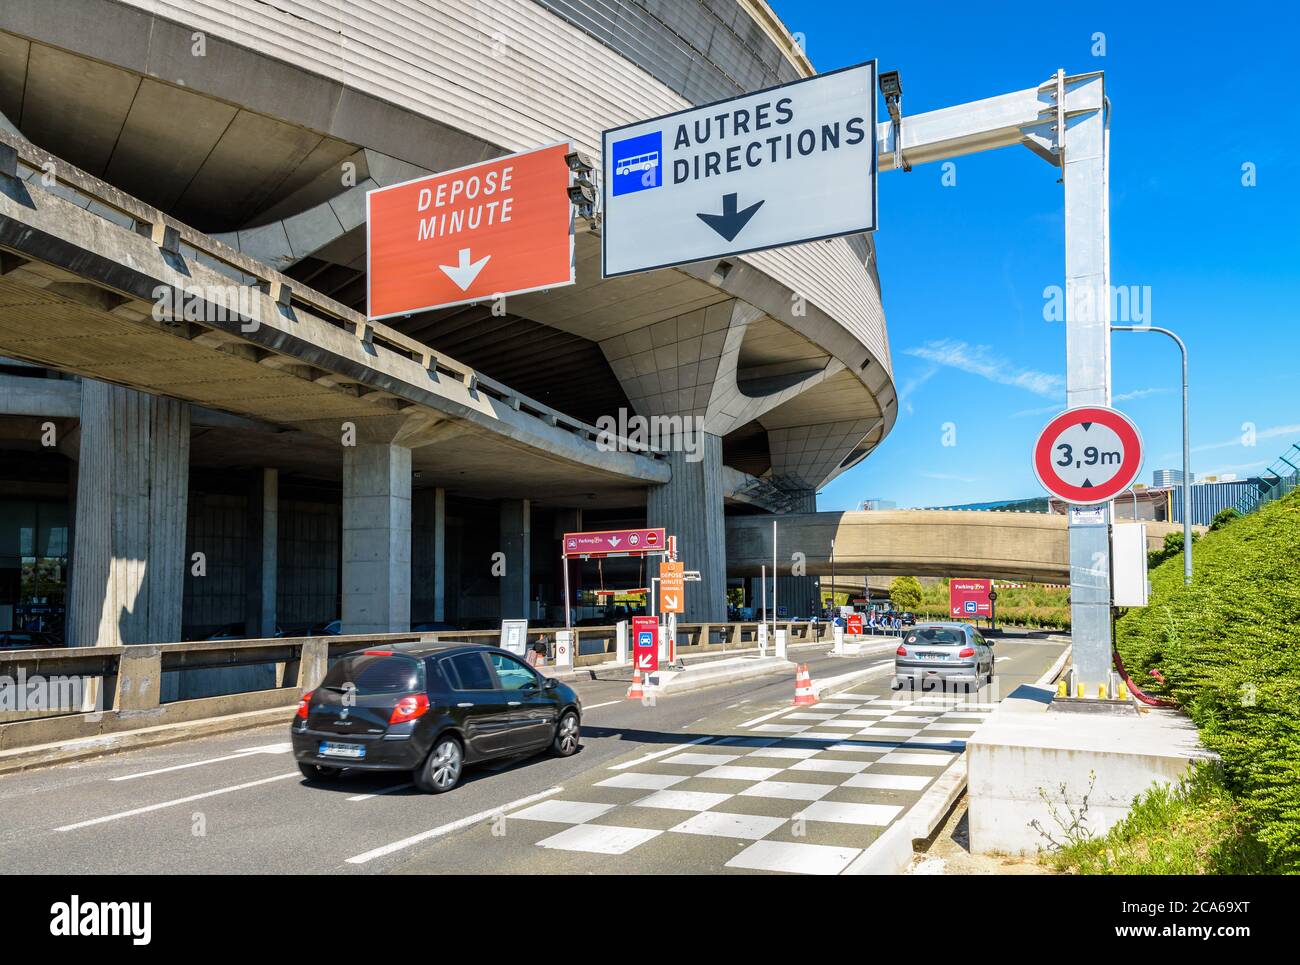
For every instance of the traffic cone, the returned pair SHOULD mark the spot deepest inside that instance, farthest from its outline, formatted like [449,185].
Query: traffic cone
[803,692]
[635,692]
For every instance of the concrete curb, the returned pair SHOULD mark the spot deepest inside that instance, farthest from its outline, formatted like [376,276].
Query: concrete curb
[46,755]
[690,680]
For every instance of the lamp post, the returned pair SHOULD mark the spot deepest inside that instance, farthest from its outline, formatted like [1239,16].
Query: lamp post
[1187,459]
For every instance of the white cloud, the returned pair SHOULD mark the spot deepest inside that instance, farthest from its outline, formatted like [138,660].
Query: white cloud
[979,360]
[1292,432]
[1122,397]
[912,384]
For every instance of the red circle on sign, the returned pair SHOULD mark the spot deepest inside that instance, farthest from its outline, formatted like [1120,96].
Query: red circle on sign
[1130,464]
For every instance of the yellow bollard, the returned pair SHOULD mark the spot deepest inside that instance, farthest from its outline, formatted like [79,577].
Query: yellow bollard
[1080,689]
[1101,691]
[1061,689]
[1123,691]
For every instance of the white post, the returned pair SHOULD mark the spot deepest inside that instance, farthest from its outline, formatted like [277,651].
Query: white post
[620,641]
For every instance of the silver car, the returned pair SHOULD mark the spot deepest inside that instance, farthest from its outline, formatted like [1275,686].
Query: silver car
[943,653]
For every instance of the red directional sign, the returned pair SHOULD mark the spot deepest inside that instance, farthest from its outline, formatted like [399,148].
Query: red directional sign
[854,624]
[1088,455]
[645,644]
[970,598]
[615,542]
[501,227]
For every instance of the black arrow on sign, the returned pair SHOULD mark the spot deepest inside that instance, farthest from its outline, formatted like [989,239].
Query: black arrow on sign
[731,222]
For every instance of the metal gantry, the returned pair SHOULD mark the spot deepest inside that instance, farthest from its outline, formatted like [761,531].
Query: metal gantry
[1063,120]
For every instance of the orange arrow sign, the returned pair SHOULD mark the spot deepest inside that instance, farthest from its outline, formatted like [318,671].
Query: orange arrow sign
[672,587]
[501,227]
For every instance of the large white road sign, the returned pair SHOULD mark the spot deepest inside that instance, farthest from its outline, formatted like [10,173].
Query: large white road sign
[777,167]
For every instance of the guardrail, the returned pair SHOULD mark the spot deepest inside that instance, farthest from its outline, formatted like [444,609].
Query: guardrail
[70,693]
[22,160]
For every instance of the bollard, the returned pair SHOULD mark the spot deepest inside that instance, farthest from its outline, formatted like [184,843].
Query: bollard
[1061,689]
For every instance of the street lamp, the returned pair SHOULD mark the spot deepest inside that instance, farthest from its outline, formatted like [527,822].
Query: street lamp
[1187,459]
[833,584]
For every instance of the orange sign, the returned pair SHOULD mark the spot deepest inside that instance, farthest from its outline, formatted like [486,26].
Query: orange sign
[672,587]
[502,227]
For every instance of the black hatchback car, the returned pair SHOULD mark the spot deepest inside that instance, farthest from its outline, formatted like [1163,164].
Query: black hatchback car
[431,709]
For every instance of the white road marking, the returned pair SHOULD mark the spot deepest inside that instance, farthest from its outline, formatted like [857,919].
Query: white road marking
[759,720]
[388,790]
[180,800]
[284,748]
[608,703]
[657,754]
[449,828]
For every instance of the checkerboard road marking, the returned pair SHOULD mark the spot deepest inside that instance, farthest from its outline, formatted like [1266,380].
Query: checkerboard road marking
[598,839]
[808,859]
[720,824]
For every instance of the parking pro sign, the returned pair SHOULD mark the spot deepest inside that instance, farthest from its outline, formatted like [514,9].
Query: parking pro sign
[776,167]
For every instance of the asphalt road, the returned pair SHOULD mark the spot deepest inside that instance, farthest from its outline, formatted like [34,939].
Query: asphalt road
[237,804]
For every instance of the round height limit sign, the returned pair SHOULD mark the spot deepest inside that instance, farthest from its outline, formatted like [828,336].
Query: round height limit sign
[1088,455]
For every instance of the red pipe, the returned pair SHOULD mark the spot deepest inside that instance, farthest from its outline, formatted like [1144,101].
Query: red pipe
[1134,689]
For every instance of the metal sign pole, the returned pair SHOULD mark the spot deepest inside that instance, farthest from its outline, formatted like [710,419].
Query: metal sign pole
[568,625]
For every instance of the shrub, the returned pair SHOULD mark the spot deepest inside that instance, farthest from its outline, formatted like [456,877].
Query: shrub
[1222,518]
[1228,648]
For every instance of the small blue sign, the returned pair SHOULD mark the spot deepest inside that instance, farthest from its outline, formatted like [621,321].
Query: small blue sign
[972,606]
[645,640]
[638,163]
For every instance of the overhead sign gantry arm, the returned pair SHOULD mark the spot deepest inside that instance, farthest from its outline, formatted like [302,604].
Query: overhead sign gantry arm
[1064,121]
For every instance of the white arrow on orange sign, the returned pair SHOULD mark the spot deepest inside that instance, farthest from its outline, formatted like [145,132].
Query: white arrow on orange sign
[464,272]
[645,661]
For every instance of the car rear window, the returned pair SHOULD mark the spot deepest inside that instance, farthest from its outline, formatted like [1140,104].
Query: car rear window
[937,636]
[375,674]
[468,671]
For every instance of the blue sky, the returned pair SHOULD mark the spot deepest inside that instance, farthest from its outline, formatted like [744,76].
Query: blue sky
[1195,96]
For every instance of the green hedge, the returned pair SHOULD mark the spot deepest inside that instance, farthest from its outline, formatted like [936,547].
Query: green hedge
[1229,649]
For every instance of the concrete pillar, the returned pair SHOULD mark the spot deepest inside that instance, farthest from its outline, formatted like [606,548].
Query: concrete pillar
[263,552]
[516,544]
[798,594]
[376,538]
[129,544]
[690,508]
[439,555]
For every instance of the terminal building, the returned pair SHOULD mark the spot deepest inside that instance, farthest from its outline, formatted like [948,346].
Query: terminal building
[165,479]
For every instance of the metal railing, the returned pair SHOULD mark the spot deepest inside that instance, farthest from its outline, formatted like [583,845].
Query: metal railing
[23,160]
[1281,478]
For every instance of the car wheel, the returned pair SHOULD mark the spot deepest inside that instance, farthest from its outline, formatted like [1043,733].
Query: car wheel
[567,736]
[442,768]
[319,772]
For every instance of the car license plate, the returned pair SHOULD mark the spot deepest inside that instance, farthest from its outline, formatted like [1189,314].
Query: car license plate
[331,749]
[932,656]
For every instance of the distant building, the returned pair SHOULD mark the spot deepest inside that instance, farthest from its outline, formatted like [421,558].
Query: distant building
[1162,478]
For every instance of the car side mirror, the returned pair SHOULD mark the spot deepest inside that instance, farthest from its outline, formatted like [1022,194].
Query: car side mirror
[550,683]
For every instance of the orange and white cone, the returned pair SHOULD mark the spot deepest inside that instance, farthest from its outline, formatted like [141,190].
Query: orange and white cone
[803,692]
[635,692]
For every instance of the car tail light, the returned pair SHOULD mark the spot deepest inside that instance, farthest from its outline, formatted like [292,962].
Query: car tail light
[901,651]
[303,703]
[409,708]
[377,653]
[967,652]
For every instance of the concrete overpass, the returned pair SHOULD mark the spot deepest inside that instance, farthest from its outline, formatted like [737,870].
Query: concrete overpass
[914,542]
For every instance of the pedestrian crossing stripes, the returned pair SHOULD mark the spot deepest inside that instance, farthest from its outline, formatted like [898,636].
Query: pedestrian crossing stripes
[803,791]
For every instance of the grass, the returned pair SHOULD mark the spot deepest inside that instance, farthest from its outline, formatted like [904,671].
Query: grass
[1194,828]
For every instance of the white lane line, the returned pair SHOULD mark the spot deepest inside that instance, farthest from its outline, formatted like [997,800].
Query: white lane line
[759,720]
[180,800]
[608,703]
[246,752]
[656,754]
[388,790]
[453,826]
